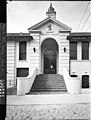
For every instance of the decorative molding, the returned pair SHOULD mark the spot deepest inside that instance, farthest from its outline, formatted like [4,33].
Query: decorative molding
[49,29]
[34,31]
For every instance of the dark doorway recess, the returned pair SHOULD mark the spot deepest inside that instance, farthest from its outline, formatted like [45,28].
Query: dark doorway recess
[50,61]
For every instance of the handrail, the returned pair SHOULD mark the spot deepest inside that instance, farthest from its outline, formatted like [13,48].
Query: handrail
[72,83]
[24,84]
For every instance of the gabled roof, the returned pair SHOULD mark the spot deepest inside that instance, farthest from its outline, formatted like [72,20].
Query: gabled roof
[36,26]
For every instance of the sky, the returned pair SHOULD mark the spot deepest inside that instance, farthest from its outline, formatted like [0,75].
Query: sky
[23,14]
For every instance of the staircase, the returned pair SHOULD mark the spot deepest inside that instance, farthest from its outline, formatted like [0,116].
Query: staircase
[49,83]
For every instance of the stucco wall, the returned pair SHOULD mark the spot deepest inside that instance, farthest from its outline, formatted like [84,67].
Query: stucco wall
[79,66]
[35,56]
[64,56]
[10,63]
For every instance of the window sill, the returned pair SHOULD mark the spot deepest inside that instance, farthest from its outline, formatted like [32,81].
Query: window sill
[22,60]
[80,60]
[86,91]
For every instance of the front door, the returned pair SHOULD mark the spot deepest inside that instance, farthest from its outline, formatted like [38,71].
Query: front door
[50,62]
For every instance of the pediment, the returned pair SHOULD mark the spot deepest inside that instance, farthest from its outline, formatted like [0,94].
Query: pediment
[50,25]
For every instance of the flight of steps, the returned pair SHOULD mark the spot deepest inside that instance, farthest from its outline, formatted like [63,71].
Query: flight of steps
[49,83]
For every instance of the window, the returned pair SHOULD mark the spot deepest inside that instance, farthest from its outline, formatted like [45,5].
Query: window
[22,72]
[73,50]
[85,81]
[85,50]
[22,50]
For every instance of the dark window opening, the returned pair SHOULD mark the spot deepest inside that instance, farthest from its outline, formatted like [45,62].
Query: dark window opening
[22,50]
[85,50]
[22,72]
[73,50]
[73,76]
[85,81]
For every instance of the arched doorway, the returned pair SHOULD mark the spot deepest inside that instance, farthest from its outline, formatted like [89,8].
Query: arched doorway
[49,56]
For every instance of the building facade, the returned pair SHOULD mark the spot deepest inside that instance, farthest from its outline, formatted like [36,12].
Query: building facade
[50,46]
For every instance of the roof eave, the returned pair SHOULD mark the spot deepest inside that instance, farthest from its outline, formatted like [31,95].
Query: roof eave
[18,36]
[69,30]
[81,36]
[38,24]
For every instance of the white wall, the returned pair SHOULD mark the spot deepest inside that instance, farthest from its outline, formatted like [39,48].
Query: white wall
[10,63]
[35,56]
[81,67]
[13,61]
[64,56]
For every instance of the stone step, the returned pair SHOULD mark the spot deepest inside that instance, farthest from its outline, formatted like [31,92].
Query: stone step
[36,85]
[48,86]
[51,90]
[46,82]
[49,82]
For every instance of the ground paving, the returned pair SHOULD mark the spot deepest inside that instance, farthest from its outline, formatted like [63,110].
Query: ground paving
[49,112]
[49,107]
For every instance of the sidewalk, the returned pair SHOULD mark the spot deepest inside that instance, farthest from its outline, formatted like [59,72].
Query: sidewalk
[48,99]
